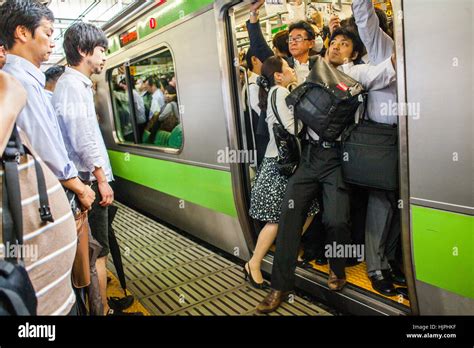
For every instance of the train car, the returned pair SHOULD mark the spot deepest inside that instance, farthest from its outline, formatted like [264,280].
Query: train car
[200,183]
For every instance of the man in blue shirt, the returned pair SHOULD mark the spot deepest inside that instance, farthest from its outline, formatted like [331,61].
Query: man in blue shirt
[26,28]
[85,46]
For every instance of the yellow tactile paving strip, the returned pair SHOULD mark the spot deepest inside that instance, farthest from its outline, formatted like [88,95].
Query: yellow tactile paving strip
[357,275]
[115,290]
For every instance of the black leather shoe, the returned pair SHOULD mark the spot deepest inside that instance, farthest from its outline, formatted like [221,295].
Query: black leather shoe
[272,301]
[396,275]
[383,285]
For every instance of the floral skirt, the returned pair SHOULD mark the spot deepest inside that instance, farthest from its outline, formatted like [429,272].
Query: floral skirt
[268,192]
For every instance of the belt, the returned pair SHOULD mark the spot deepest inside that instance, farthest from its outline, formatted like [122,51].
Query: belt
[325,144]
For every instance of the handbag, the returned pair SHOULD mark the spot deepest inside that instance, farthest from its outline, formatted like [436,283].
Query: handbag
[288,145]
[17,295]
[327,101]
[81,276]
[370,155]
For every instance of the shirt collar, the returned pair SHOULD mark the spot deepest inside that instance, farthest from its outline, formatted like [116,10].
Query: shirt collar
[297,63]
[77,74]
[28,67]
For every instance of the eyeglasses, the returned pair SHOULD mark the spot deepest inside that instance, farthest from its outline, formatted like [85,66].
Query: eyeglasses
[297,39]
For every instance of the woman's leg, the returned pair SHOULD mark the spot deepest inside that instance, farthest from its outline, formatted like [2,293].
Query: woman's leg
[264,242]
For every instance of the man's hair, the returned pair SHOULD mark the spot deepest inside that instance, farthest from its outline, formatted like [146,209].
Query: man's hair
[352,35]
[280,41]
[27,13]
[54,73]
[82,37]
[248,58]
[305,26]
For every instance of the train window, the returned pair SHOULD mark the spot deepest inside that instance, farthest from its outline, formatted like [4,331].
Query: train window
[120,103]
[158,116]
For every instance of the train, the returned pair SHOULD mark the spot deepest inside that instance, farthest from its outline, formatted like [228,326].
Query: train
[196,188]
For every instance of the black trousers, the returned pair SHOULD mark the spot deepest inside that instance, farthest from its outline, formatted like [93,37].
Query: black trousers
[319,172]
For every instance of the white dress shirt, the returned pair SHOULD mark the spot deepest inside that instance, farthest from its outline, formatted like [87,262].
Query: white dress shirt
[380,47]
[286,116]
[157,102]
[73,101]
[38,119]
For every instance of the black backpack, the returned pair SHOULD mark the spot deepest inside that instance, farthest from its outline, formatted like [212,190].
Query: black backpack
[327,101]
[17,295]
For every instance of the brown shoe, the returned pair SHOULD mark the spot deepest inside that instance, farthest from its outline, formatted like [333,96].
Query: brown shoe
[335,283]
[272,301]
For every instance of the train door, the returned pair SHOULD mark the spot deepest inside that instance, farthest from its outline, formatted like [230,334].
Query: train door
[359,296]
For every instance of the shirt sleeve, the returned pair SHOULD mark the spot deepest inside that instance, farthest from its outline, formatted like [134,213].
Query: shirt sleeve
[71,105]
[139,107]
[373,77]
[254,99]
[286,115]
[258,43]
[379,45]
[42,128]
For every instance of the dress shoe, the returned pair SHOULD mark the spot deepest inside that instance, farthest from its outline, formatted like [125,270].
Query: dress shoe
[248,276]
[396,275]
[335,283]
[382,284]
[272,301]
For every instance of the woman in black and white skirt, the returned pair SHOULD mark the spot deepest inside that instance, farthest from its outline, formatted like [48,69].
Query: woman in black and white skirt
[270,186]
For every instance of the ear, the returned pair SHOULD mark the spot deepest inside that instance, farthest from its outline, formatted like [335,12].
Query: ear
[22,34]
[278,76]
[83,54]
[354,55]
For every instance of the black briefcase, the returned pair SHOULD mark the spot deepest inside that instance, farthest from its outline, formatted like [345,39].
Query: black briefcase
[370,155]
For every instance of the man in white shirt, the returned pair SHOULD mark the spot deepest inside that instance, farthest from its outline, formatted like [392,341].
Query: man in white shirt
[158,97]
[85,46]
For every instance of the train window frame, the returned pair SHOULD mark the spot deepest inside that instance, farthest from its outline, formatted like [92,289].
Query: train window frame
[163,47]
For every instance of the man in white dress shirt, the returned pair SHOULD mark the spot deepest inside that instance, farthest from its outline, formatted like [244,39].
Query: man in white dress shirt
[85,46]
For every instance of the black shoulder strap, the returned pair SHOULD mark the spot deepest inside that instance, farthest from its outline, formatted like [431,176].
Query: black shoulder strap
[275,111]
[12,209]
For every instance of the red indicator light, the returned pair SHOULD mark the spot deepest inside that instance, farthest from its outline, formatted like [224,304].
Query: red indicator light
[152,23]
[160,2]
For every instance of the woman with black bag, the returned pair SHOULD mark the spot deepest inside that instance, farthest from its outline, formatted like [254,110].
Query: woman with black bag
[272,177]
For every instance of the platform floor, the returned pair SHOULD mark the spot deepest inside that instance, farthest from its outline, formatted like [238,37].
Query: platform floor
[171,275]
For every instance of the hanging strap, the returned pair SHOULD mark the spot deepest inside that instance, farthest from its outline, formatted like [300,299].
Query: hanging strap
[12,211]
[44,209]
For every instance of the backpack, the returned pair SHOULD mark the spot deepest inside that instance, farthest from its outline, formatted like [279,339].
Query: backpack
[17,295]
[327,101]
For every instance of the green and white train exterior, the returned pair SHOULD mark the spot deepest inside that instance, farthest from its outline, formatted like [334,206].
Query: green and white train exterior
[192,190]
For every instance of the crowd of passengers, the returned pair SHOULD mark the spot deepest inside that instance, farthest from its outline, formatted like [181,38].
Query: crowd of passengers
[156,108]
[55,116]
[315,201]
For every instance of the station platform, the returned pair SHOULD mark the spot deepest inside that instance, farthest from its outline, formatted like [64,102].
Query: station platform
[168,274]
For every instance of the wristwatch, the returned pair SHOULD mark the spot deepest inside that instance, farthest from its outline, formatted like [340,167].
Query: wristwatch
[254,13]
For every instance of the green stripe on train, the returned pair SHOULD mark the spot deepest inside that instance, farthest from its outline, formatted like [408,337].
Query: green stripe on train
[164,15]
[210,188]
[443,245]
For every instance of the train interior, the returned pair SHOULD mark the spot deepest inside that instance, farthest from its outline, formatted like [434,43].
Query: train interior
[272,23]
